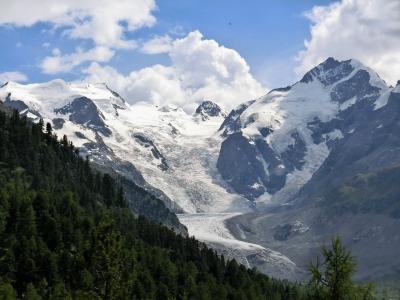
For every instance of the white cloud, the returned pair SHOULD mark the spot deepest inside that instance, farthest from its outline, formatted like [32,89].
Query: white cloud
[157,45]
[65,63]
[12,76]
[200,69]
[102,21]
[105,22]
[366,30]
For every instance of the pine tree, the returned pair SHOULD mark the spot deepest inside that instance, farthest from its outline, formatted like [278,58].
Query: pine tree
[49,129]
[108,261]
[7,292]
[331,278]
[31,293]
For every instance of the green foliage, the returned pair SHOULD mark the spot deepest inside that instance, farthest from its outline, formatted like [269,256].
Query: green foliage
[7,292]
[376,192]
[31,293]
[331,279]
[66,232]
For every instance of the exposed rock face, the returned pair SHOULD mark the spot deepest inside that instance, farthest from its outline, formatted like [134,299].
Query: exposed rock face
[58,123]
[291,131]
[329,72]
[240,155]
[146,142]
[209,109]
[370,145]
[354,192]
[82,111]
[232,122]
[21,107]
[288,230]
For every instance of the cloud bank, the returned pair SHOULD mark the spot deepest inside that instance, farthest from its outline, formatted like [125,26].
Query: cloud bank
[200,69]
[365,30]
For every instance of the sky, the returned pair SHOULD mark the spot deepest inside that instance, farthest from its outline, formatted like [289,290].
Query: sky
[182,52]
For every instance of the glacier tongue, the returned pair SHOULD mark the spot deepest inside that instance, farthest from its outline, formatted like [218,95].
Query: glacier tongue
[211,228]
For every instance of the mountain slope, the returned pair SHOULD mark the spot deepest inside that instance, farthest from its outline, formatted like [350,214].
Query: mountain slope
[165,150]
[156,147]
[371,147]
[352,191]
[275,144]
[66,232]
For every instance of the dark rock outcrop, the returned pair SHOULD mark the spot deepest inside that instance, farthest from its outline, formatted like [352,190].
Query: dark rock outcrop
[83,111]
[209,109]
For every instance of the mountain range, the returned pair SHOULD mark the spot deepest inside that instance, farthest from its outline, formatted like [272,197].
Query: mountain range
[267,182]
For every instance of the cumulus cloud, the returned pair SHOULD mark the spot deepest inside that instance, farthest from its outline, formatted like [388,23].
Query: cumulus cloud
[65,63]
[157,45]
[366,30]
[200,69]
[12,76]
[104,22]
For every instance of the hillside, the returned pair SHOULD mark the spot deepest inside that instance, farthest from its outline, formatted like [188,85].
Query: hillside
[67,232]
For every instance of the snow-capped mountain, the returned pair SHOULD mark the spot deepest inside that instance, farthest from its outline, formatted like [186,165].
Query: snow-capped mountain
[273,145]
[265,149]
[175,152]
[347,187]
[291,146]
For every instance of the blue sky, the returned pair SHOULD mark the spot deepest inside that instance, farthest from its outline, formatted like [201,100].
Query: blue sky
[263,32]
[183,51]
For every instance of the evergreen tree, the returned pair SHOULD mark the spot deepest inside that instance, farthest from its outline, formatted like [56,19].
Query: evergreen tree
[31,293]
[331,278]
[7,292]
[107,261]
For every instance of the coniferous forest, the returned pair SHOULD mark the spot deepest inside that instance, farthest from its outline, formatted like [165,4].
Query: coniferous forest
[66,232]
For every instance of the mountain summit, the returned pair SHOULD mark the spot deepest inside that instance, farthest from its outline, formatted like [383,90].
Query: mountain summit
[209,109]
[274,145]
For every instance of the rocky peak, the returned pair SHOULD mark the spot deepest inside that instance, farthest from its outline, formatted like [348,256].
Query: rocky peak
[115,94]
[397,87]
[209,109]
[83,111]
[329,72]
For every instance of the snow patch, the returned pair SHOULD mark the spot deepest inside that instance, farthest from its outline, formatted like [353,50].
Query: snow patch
[382,100]
[348,103]
[334,135]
